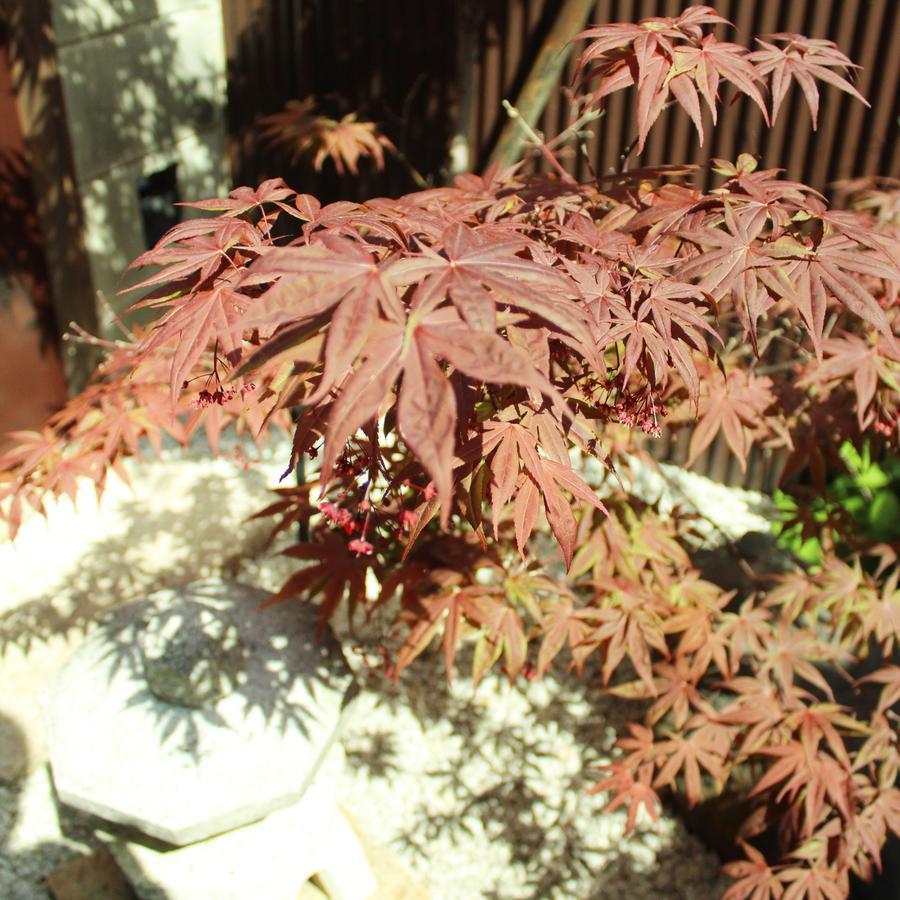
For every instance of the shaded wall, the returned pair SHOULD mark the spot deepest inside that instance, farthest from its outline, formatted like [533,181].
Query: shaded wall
[31,377]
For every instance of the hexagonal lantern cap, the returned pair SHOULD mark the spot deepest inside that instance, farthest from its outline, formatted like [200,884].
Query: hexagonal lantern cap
[182,774]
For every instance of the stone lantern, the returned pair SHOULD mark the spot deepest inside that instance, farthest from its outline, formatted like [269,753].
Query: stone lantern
[204,726]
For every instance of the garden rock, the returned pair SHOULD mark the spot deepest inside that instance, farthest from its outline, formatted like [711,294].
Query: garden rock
[92,877]
[268,859]
[247,731]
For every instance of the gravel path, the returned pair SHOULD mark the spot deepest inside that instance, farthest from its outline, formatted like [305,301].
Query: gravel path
[479,795]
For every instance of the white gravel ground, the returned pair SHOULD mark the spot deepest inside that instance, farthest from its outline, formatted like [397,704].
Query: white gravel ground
[480,796]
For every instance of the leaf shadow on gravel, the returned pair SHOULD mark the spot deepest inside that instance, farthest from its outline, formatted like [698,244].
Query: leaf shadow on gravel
[511,772]
[157,547]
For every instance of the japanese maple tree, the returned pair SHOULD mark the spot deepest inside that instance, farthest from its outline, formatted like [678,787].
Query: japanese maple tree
[454,355]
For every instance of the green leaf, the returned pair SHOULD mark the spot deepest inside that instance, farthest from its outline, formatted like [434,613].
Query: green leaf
[884,516]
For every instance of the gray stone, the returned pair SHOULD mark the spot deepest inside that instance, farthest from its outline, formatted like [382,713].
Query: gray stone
[181,774]
[193,654]
[268,859]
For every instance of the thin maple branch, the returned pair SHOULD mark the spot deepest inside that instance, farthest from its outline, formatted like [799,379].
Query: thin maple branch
[114,317]
[418,179]
[544,74]
[537,140]
[574,130]
[85,337]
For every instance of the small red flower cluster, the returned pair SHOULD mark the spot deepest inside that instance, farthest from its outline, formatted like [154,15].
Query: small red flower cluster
[341,518]
[220,397]
[429,492]
[361,547]
[345,520]
[639,411]
[406,518]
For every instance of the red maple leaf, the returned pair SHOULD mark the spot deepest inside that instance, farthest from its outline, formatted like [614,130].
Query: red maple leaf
[803,60]
[625,788]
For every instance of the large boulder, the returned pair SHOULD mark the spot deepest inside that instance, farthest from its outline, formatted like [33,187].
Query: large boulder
[195,711]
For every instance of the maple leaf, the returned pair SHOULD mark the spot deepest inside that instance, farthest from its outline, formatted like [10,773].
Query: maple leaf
[889,676]
[315,278]
[334,572]
[193,323]
[872,824]
[344,141]
[666,209]
[867,361]
[675,689]
[880,613]
[700,68]
[628,623]
[202,255]
[696,619]
[704,746]
[115,424]
[564,623]
[503,633]
[31,449]
[790,652]
[666,56]
[476,260]
[426,409]
[759,708]
[729,266]
[736,403]
[754,878]
[656,332]
[541,477]
[745,631]
[814,775]
[879,749]
[238,202]
[820,721]
[625,788]
[448,610]
[640,746]
[820,882]
[802,60]
[426,416]
[831,267]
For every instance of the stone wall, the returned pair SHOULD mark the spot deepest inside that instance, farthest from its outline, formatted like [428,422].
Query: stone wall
[109,92]
[143,88]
